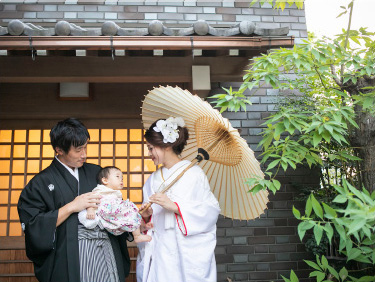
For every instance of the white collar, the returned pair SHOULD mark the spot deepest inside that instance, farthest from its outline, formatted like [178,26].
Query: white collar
[72,172]
[175,167]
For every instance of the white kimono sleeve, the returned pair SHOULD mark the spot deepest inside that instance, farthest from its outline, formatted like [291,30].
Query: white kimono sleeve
[198,207]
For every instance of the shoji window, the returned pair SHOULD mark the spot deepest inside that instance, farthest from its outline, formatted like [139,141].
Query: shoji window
[23,153]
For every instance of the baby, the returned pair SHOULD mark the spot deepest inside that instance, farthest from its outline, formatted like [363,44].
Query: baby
[113,214]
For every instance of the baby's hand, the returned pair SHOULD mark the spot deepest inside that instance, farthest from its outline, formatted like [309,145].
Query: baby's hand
[146,226]
[90,213]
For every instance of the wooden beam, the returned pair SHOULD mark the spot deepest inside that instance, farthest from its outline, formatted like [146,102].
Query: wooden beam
[121,70]
[143,42]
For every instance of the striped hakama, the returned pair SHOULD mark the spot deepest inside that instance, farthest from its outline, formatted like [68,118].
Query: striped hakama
[96,258]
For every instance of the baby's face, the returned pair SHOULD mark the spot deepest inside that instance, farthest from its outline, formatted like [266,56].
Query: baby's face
[115,179]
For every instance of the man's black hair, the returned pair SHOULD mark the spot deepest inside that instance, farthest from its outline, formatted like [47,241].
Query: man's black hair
[104,173]
[67,133]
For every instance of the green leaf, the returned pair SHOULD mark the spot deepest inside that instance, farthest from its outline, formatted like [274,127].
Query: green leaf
[296,213]
[368,102]
[343,13]
[223,109]
[343,273]
[319,275]
[256,188]
[277,184]
[308,208]
[317,207]
[273,164]
[316,138]
[366,231]
[303,227]
[293,276]
[366,279]
[313,265]
[328,127]
[329,231]
[243,106]
[229,97]
[316,54]
[318,232]
[326,136]
[340,199]
[340,229]
[348,245]
[324,262]
[356,225]
[218,96]
[279,129]
[353,253]
[318,261]
[329,212]
[333,271]
[362,258]
[284,165]
[284,278]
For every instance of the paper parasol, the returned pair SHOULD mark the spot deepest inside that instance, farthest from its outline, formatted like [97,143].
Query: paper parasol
[231,160]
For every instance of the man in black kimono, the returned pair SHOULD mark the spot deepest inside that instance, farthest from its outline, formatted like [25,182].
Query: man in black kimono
[48,208]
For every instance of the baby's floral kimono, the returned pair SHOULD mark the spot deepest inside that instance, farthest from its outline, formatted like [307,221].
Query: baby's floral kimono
[113,214]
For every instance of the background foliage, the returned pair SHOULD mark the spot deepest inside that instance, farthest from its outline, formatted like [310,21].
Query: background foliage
[328,125]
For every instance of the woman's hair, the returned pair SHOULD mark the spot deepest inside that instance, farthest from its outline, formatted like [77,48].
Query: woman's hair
[104,173]
[67,133]
[156,139]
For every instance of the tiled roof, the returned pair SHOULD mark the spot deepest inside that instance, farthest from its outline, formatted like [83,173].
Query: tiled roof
[155,28]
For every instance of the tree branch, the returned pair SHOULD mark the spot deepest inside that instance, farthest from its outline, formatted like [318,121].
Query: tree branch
[335,77]
[347,34]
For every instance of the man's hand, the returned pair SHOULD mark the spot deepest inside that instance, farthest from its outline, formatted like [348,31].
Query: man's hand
[81,202]
[84,201]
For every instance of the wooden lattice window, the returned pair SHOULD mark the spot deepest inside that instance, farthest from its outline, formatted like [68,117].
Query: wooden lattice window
[23,153]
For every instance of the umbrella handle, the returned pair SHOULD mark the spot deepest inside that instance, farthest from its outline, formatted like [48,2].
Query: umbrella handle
[196,160]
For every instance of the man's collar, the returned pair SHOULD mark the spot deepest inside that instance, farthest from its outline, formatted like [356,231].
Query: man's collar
[73,172]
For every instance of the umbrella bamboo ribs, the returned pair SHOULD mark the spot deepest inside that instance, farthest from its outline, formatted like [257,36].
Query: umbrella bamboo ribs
[230,160]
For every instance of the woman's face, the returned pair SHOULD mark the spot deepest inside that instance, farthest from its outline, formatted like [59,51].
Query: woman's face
[157,154]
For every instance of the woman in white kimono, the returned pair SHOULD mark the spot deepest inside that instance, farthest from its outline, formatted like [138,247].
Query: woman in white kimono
[184,219]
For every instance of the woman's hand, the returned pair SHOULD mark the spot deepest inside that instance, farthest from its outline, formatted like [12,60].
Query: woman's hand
[146,212]
[163,201]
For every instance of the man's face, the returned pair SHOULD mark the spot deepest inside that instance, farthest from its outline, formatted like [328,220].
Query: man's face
[76,156]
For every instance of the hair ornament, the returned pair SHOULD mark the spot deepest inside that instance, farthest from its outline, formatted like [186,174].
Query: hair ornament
[169,128]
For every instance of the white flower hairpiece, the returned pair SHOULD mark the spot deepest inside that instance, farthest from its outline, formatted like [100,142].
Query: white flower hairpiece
[168,128]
